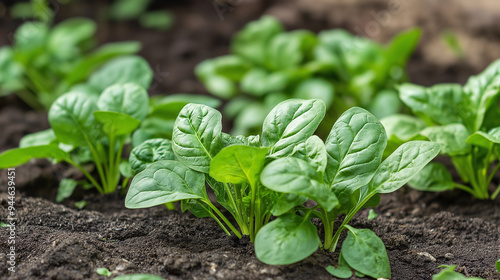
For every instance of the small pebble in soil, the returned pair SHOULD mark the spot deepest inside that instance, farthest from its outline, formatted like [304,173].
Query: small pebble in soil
[449,256]
[427,256]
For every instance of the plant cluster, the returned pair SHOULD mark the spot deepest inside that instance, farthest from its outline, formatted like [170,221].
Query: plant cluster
[92,124]
[44,62]
[269,65]
[257,177]
[465,121]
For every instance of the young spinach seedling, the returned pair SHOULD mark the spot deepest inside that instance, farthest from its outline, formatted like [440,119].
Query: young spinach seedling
[255,178]
[465,121]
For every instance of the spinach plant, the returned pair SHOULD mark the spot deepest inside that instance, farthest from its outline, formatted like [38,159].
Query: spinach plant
[465,121]
[449,273]
[45,62]
[92,123]
[268,65]
[255,178]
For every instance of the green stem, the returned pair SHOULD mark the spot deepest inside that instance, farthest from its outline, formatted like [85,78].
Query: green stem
[236,214]
[89,177]
[124,185]
[98,165]
[31,100]
[111,168]
[328,229]
[236,232]
[492,175]
[252,214]
[495,194]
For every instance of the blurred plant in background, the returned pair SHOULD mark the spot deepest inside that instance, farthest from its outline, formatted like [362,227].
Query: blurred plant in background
[137,10]
[46,61]
[268,65]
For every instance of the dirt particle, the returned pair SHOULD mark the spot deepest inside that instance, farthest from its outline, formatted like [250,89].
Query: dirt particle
[427,256]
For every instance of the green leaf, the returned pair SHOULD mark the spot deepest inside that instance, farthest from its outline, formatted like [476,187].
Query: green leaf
[354,146]
[401,47]
[293,175]
[232,67]
[153,127]
[72,119]
[291,122]
[443,103]
[19,156]
[316,88]
[130,99]
[449,274]
[168,107]
[452,138]
[160,20]
[407,161]
[481,91]
[138,277]
[80,204]
[372,215]
[43,137]
[116,123]
[220,86]
[286,202]
[124,69]
[95,59]
[260,82]
[485,140]
[497,265]
[289,50]
[385,103]
[103,271]
[165,181]
[343,270]
[125,169]
[66,38]
[434,177]
[403,127]
[365,252]
[197,136]
[252,41]
[238,164]
[286,240]
[66,188]
[11,72]
[30,36]
[150,151]
[314,152]
[252,140]
[128,9]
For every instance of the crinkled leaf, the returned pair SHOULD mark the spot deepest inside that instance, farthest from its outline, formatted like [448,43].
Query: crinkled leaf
[238,164]
[130,99]
[18,156]
[252,140]
[114,123]
[293,175]
[197,136]
[452,138]
[124,69]
[434,177]
[364,251]
[402,165]
[354,146]
[291,122]
[403,127]
[150,151]
[165,181]
[312,151]
[449,274]
[286,240]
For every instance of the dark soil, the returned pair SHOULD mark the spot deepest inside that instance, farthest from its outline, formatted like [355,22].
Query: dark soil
[57,242]
[420,230]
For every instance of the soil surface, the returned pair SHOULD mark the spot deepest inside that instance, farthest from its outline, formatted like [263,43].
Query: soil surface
[420,230]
